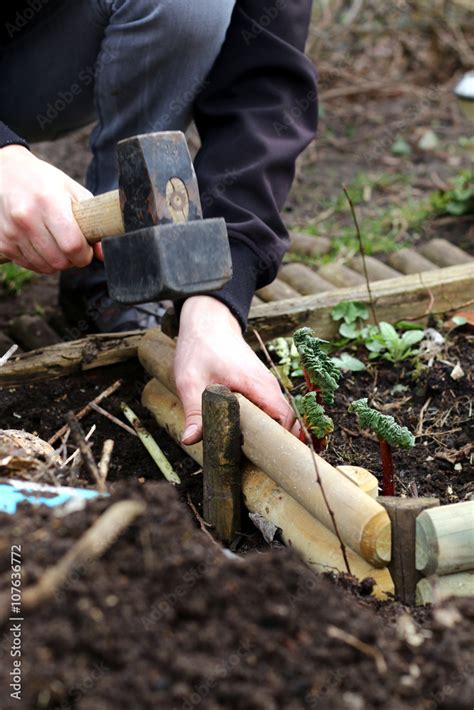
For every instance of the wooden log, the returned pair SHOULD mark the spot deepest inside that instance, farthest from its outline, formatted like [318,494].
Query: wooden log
[341,276]
[313,542]
[68,358]
[318,546]
[403,513]
[411,296]
[304,279]
[362,478]
[221,461]
[363,524]
[376,270]
[33,332]
[445,539]
[278,290]
[307,245]
[256,301]
[432,590]
[443,253]
[408,261]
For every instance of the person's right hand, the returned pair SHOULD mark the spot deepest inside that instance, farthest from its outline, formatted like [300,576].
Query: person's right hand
[37,226]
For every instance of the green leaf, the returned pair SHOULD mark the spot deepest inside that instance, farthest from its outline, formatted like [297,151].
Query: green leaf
[348,363]
[412,336]
[429,140]
[348,330]
[349,311]
[388,332]
[408,325]
[374,346]
[459,320]
[400,147]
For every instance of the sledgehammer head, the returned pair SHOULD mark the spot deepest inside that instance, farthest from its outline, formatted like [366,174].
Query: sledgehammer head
[168,261]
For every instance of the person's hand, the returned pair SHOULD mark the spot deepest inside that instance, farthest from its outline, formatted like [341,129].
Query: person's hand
[37,227]
[211,350]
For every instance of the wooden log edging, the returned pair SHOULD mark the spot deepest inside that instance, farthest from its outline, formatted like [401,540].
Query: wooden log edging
[445,539]
[315,544]
[67,358]
[432,590]
[413,296]
[363,524]
[445,552]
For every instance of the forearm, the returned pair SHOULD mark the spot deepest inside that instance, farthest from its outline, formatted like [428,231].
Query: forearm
[255,115]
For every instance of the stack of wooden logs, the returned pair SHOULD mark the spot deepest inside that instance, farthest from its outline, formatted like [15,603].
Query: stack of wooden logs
[297,279]
[445,552]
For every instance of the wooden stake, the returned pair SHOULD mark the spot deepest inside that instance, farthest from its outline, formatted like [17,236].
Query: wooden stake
[403,513]
[221,466]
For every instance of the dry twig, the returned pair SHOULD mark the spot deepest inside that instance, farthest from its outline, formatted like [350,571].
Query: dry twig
[85,449]
[202,523]
[10,352]
[113,419]
[362,254]
[85,410]
[380,663]
[104,462]
[150,445]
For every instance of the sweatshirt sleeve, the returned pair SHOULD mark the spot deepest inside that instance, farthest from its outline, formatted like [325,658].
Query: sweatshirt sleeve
[255,114]
[8,137]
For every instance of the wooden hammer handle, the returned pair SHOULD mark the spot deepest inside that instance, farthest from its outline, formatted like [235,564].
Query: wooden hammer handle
[98,217]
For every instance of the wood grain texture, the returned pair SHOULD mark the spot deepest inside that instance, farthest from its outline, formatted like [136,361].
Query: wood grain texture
[221,461]
[412,296]
[445,539]
[67,358]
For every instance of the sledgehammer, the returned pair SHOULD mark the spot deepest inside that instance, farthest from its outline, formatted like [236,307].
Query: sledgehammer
[167,249]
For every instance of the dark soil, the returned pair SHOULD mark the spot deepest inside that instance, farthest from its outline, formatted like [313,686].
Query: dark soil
[437,408]
[165,620]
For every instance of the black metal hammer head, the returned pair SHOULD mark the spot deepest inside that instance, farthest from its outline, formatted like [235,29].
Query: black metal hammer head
[168,261]
[157,182]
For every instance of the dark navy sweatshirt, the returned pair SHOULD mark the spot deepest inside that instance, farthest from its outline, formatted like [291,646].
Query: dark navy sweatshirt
[257,112]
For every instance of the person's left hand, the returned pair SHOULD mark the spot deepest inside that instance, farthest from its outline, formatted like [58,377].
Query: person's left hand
[211,350]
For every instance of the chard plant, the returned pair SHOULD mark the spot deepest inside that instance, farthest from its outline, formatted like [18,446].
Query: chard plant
[316,421]
[389,434]
[320,373]
[322,380]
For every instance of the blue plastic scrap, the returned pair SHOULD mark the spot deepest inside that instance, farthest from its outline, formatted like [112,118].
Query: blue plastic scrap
[13,492]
